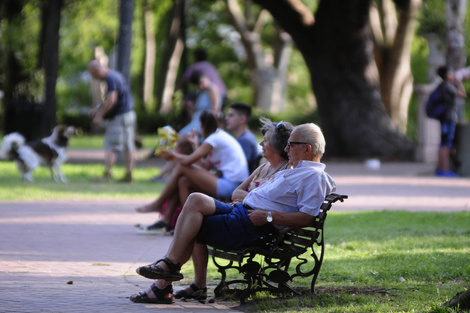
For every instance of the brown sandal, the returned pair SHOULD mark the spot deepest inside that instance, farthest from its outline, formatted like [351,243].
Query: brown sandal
[154,271]
[143,297]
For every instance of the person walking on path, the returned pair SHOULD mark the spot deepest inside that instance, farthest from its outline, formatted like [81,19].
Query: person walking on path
[119,118]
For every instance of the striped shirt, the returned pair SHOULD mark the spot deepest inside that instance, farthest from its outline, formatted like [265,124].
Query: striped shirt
[301,189]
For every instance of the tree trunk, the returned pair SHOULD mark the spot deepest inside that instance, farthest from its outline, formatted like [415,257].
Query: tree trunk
[268,71]
[150,56]
[173,50]
[392,43]
[50,62]
[456,53]
[338,51]
[126,15]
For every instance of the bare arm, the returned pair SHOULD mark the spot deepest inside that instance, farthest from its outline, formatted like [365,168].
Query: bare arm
[460,89]
[297,219]
[109,102]
[242,190]
[214,97]
[187,160]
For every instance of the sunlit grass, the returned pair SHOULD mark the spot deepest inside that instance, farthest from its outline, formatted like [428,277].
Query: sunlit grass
[382,262]
[79,185]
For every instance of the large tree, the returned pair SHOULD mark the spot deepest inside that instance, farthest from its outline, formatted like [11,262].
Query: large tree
[49,61]
[338,50]
[124,42]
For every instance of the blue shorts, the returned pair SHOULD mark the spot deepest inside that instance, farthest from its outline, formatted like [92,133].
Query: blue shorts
[447,133]
[230,227]
[226,187]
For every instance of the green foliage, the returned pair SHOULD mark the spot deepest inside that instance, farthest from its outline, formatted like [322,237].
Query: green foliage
[19,45]
[431,18]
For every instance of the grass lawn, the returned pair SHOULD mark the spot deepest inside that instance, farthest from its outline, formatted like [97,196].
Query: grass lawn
[384,261]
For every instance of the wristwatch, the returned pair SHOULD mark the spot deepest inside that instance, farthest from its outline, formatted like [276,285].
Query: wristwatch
[269,218]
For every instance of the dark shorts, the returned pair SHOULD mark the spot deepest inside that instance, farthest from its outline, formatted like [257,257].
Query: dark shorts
[230,228]
[447,133]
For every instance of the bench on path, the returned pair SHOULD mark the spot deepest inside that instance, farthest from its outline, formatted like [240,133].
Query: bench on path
[304,246]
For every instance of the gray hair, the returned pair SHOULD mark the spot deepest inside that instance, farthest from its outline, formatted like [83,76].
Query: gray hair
[312,134]
[279,136]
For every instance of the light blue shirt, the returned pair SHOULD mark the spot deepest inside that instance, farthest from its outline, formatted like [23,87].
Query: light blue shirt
[301,189]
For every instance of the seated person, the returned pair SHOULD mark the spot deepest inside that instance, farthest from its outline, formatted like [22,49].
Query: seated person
[236,121]
[207,97]
[223,152]
[292,199]
[275,137]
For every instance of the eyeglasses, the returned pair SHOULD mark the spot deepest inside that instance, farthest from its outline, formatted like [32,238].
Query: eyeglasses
[290,143]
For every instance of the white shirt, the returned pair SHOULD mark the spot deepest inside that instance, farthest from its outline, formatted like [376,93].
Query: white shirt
[301,189]
[227,156]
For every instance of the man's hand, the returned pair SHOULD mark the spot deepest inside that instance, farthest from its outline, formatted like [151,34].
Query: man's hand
[97,119]
[258,217]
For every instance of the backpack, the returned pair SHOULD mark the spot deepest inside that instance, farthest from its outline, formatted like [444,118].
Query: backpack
[436,105]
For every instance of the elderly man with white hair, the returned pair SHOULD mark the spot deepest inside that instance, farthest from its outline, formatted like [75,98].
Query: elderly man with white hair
[292,199]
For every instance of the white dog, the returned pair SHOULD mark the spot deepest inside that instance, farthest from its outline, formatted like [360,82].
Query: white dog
[49,151]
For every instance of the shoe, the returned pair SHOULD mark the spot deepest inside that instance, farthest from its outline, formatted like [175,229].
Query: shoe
[126,179]
[159,179]
[106,178]
[199,294]
[143,297]
[447,173]
[159,228]
[154,271]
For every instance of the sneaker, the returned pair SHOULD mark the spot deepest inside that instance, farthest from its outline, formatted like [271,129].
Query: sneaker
[447,173]
[159,228]
[159,179]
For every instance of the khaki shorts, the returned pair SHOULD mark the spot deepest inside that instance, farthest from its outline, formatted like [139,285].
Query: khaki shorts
[120,132]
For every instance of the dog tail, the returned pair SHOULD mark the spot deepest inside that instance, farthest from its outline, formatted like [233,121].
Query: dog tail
[10,145]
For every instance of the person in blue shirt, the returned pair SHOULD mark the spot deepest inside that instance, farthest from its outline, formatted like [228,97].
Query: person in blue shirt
[236,121]
[117,113]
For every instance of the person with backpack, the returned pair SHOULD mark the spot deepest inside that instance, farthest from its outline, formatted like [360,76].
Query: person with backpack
[444,96]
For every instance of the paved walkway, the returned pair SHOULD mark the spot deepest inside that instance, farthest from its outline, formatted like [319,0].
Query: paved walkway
[80,256]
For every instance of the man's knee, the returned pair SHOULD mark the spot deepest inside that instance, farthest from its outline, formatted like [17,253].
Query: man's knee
[199,202]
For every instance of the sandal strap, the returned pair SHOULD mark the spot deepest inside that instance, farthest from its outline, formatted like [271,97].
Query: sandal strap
[196,288]
[160,293]
[174,268]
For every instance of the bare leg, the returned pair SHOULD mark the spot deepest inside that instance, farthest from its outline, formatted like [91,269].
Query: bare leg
[173,203]
[200,180]
[189,223]
[129,155]
[110,158]
[168,191]
[200,258]
[443,159]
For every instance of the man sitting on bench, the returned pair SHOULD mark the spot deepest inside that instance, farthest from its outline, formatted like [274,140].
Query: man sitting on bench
[292,199]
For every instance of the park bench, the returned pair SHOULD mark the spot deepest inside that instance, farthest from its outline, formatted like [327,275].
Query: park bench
[272,271]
